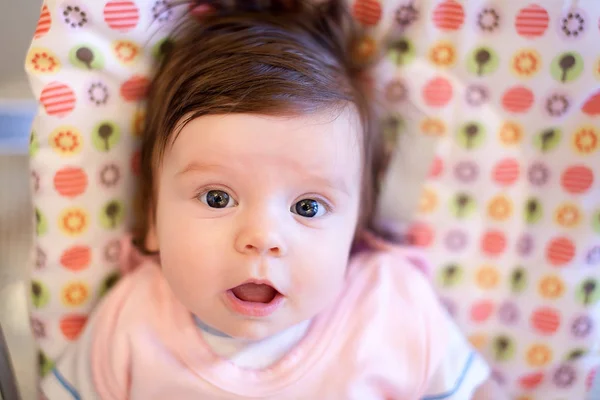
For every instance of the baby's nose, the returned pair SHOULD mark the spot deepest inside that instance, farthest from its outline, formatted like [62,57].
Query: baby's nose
[261,240]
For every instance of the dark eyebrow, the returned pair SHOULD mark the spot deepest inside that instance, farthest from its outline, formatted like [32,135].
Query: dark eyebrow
[336,183]
[197,167]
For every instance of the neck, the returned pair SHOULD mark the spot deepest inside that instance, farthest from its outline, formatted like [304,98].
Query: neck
[252,354]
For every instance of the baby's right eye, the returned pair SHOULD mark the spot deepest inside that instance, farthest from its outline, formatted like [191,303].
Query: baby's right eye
[217,199]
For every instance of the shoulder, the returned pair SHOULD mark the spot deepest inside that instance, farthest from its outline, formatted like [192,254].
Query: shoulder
[397,315]
[130,311]
[395,274]
[134,300]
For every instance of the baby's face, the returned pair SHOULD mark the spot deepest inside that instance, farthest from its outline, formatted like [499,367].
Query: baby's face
[256,216]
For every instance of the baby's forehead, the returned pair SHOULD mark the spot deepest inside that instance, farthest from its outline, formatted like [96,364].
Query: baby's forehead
[312,141]
[323,148]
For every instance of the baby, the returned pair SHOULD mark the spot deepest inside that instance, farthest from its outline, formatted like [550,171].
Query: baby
[258,185]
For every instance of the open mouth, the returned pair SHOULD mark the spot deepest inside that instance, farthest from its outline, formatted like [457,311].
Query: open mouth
[255,292]
[254,299]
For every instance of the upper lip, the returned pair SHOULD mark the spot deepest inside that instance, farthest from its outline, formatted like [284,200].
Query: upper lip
[259,282]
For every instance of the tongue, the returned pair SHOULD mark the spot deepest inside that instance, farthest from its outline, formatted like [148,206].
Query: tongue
[254,293]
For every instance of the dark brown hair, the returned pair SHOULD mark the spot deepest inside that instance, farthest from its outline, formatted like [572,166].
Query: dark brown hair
[288,58]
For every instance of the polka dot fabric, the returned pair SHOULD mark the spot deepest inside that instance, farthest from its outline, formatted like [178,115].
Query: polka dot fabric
[510,212]
[89,66]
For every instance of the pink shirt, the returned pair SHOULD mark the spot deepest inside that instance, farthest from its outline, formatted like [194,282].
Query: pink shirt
[383,339]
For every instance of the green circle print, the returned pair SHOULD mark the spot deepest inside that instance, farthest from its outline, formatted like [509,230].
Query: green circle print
[471,135]
[482,61]
[105,136]
[518,280]
[596,222]
[450,275]
[162,47]
[533,211]
[548,139]
[34,144]
[41,224]
[112,214]
[86,57]
[45,364]
[503,348]
[109,282]
[588,292]
[40,295]
[566,67]
[462,205]
[401,51]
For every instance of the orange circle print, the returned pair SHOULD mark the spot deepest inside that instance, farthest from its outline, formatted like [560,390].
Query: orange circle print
[487,277]
[42,61]
[75,294]
[551,287]
[568,215]
[66,141]
[511,133]
[478,340]
[428,201]
[433,127]
[500,208]
[127,52]
[586,140]
[443,54]
[73,221]
[539,355]
[526,63]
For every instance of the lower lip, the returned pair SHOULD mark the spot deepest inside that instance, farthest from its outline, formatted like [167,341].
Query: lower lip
[251,309]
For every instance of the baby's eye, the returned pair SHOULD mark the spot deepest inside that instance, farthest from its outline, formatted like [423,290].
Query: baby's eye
[308,208]
[217,199]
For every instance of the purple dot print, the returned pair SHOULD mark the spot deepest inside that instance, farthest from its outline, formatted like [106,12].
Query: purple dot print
[538,174]
[109,175]
[572,24]
[582,326]
[419,263]
[112,251]
[466,171]
[35,181]
[508,313]
[450,306]
[525,245]
[488,19]
[564,376]
[593,257]
[476,95]
[162,11]
[557,104]
[395,91]
[97,93]
[38,328]
[406,15]
[498,376]
[455,240]
[75,16]
[40,258]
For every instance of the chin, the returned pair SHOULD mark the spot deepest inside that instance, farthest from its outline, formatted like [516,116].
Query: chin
[252,330]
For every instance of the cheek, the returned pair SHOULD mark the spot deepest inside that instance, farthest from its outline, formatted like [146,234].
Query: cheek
[188,249]
[320,274]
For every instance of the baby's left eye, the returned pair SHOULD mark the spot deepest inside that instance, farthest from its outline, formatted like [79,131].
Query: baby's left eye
[308,208]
